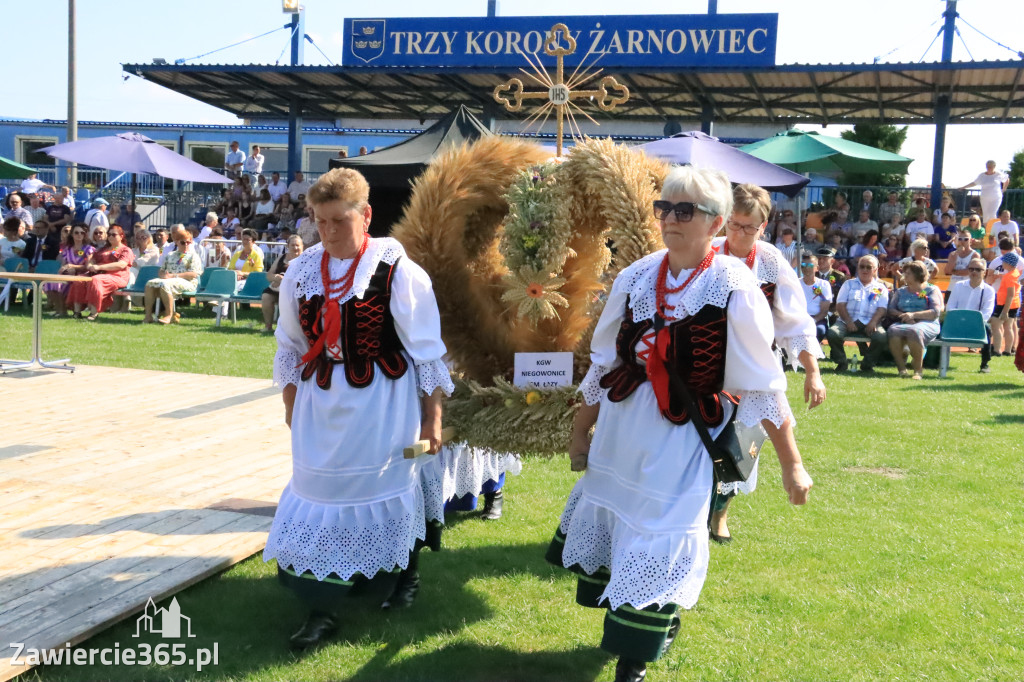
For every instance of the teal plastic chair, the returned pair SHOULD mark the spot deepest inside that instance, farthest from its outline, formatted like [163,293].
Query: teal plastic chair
[251,292]
[204,278]
[10,289]
[146,273]
[48,267]
[219,289]
[963,326]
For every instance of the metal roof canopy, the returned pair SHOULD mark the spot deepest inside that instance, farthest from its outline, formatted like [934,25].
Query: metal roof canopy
[979,92]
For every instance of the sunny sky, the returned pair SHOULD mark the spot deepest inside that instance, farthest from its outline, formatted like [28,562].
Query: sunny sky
[810,31]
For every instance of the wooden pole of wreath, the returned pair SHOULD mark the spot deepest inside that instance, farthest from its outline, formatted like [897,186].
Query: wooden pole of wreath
[559,93]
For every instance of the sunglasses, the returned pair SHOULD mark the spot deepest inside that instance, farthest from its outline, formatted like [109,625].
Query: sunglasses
[807,265]
[684,210]
[975,269]
[963,239]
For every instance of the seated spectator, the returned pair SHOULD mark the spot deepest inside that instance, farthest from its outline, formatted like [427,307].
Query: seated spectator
[299,186]
[231,224]
[276,186]
[863,225]
[945,208]
[843,224]
[960,259]
[67,199]
[812,240]
[16,209]
[866,204]
[972,293]
[284,214]
[788,247]
[126,218]
[218,255]
[42,243]
[98,235]
[36,208]
[108,267]
[840,253]
[246,258]
[913,318]
[839,202]
[272,293]
[919,252]
[868,246]
[977,231]
[58,215]
[891,211]
[74,258]
[945,238]
[817,292]
[12,244]
[860,306]
[1004,276]
[919,228]
[827,272]
[179,276]
[1004,224]
[263,212]
[160,239]
[893,249]
[306,228]
[146,253]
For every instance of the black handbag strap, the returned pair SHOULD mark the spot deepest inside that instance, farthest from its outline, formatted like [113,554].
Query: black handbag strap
[691,406]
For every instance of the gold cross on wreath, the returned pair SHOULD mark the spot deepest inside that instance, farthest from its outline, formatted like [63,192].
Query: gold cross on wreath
[560,93]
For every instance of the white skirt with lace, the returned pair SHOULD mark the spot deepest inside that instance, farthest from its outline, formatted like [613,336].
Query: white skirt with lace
[465,468]
[354,503]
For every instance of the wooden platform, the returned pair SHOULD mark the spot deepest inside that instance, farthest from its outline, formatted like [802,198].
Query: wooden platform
[118,485]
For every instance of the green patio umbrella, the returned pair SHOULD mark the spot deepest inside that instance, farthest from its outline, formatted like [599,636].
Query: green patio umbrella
[10,170]
[805,151]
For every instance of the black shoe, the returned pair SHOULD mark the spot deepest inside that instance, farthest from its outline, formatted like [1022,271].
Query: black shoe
[673,630]
[867,369]
[720,539]
[404,594]
[492,506]
[318,627]
[984,369]
[628,670]
[841,367]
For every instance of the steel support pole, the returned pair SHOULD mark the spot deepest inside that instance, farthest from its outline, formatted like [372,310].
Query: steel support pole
[72,129]
[942,104]
[294,107]
[707,117]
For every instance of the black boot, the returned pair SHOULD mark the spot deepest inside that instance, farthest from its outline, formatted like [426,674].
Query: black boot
[406,589]
[492,506]
[319,626]
[628,670]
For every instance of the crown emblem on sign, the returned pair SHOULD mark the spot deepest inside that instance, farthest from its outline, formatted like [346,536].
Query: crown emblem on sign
[375,44]
[360,43]
[369,30]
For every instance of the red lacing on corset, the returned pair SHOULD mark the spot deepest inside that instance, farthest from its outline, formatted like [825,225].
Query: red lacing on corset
[370,319]
[708,353]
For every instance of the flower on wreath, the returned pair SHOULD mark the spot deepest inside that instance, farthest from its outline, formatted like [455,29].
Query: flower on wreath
[535,294]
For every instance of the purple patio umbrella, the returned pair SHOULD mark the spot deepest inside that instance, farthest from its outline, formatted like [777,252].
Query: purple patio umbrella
[133,153]
[704,151]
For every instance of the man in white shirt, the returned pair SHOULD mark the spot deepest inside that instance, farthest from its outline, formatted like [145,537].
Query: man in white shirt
[234,161]
[97,216]
[817,292]
[66,198]
[276,187]
[32,184]
[253,165]
[1004,224]
[974,294]
[863,225]
[208,225]
[861,304]
[920,228]
[298,186]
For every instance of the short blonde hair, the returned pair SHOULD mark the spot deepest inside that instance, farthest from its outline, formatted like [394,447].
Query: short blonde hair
[345,184]
[703,185]
[918,244]
[752,200]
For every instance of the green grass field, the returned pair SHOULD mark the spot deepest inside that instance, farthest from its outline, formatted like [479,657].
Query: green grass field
[904,566]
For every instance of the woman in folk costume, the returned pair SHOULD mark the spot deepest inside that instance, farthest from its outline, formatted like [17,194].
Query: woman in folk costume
[359,359]
[794,328]
[635,526]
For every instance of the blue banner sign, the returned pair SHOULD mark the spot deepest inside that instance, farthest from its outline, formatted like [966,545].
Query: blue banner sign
[645,41]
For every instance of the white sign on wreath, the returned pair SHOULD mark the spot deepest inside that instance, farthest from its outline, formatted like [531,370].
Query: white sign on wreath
[543,370]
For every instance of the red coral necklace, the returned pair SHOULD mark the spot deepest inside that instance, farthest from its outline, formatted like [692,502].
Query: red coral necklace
[661,290]
[749,260]
[334,291]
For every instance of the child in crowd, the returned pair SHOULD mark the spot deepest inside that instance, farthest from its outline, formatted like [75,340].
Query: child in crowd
[11,244]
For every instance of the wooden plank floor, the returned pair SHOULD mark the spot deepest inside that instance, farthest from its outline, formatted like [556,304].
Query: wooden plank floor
[120,485]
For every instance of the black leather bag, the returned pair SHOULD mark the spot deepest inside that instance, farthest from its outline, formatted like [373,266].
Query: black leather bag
[734,453]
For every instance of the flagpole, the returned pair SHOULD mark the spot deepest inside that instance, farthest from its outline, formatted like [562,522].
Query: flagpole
[72,130]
